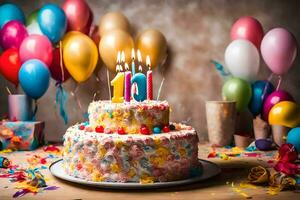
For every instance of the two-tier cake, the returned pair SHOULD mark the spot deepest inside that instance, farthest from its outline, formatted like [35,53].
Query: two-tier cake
[130,142]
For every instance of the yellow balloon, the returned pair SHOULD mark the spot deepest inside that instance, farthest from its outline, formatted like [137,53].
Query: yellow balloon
[113,20]
[112,42]
[153,43]
[80,55]
[285,113]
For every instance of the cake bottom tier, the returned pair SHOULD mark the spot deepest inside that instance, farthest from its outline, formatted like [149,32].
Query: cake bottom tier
[131,158]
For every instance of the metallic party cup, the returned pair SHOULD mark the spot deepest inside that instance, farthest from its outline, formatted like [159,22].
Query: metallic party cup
[19,107]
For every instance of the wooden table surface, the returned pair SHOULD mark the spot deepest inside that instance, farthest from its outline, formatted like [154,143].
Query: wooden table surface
[224,186]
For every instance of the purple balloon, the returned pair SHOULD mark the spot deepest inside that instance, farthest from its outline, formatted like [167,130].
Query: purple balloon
[12,34]
[274,98]
[279,49]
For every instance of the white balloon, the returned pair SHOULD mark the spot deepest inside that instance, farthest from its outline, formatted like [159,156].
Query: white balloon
[34,28]
[242,59]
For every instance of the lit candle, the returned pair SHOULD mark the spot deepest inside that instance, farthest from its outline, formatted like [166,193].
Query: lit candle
[139,81]
[132,61]
[149,80]
[118,83]
[127,83]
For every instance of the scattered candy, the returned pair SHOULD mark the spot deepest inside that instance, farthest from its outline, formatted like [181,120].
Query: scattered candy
[51,148]
[121,131]
[263,144]
[81,127]
[172,127]
[107,131]
[156,130]
[144,130]
[99,129]
[166,129]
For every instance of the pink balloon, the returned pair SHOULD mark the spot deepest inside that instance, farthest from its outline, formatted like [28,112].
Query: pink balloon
[36,47]
[274,98]
[12,34]
[248,28]
[279,49]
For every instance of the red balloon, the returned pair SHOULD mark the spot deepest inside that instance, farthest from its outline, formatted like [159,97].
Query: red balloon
[87,28]
[78,14]
[94,34]
[248,28]
[10,65]
[56,67]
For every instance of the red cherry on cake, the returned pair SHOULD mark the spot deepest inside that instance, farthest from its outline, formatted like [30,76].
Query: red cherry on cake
[99,129]
[121,131]
[144,130]
[166,129]
[81,127]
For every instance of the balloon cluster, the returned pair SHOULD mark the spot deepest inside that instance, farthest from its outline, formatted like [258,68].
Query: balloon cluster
[115,32]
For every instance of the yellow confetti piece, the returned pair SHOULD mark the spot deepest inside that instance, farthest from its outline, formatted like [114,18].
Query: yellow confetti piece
[247,185]
[273,190]
[6,151]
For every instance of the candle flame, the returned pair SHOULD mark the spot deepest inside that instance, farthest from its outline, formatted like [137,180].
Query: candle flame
[121,68]
[140,68]
[119,57]
[148,61]
[139,55]
[123,57]
[132,54]
[126,66]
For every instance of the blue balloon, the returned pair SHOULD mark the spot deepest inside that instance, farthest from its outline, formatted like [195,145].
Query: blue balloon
[34,78]
[52,21]
[257,99]
[293,138]
[10,11]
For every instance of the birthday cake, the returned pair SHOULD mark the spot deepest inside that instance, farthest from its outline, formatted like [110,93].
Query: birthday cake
[130,142]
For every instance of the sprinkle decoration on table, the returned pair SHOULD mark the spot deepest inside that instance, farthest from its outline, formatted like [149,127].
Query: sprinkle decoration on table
[28,177]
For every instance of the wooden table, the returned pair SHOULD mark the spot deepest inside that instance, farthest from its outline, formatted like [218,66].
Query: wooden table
[224,186]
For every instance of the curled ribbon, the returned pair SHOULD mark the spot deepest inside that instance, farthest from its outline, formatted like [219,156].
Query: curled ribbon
[219,67]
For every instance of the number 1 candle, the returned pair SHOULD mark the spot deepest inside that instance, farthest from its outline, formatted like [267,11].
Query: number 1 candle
[149,80]
[127,83]
[118,83]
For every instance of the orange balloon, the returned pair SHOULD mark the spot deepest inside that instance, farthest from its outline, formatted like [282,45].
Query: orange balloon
[112,42]
[153,43]
[285,113]
[113,20]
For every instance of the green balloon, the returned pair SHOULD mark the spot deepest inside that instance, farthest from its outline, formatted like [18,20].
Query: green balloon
[238,90]
[32,18]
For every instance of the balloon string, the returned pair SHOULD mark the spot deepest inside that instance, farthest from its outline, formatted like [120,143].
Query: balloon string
[61,61]
[279,82]
[108,83]
[98,82]
[160,87]
[35,110]
[61,98]
[266,86]
[8,90]
[74,93]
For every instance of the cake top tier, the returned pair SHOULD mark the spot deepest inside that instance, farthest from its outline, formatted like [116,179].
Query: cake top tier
[129,117]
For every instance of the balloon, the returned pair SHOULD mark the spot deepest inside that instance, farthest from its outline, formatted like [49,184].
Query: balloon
[153,43]
[248,28]
[10,64]
[80,55]
[274,98]
[34,78]
[94,34]
[86,29]
[111,43]
[12,34]
[9,12]
[38,47]
[260,91]
[78,14]
[293,138]
[57,66]
[279,49]
[285,113]
[32,24]
[112,21]
[52,21]
[238,90]
[242,59]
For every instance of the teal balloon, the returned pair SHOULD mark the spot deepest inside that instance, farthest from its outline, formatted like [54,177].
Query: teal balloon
[32,25]
[293,138]
[52,21]
[34,78]
[10,11]
[260,91]
[238,90]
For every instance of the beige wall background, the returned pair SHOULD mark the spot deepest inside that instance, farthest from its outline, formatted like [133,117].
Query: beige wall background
[197,31]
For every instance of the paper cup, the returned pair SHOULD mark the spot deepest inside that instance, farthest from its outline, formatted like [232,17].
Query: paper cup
[261,128]
[279,134]
[221,120]
[242,141]
[19,107]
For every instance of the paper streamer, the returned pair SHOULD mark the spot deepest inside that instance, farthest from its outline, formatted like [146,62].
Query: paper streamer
[60,100]
[219,67]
